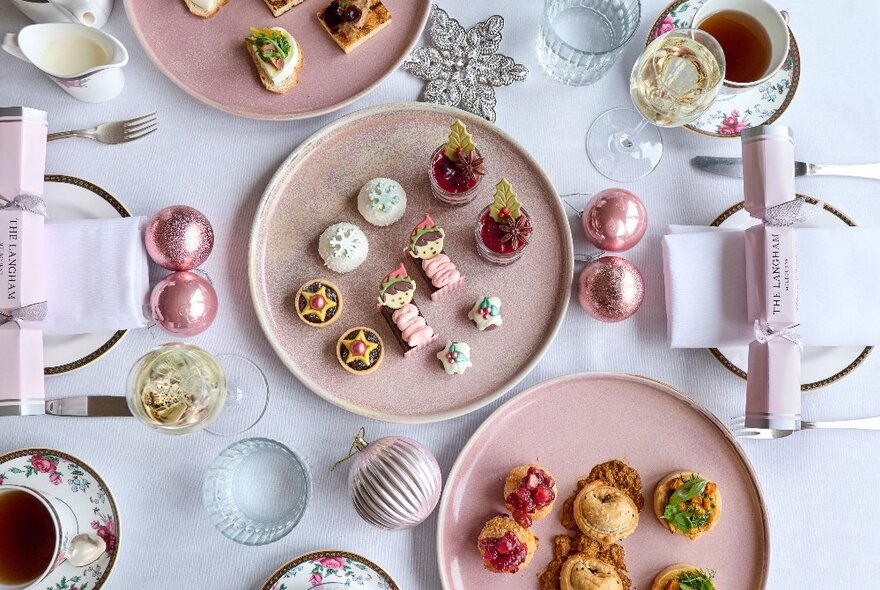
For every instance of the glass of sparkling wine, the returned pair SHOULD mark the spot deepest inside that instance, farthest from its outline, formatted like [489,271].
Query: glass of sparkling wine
[674,81]
[179,388]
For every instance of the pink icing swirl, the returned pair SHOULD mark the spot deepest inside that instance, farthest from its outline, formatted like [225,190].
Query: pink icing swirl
[440,270]
[413,327]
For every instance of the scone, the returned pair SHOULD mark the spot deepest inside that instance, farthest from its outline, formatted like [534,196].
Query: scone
[681,575]
[687,503]
[505,546]
[605,513]
[580,572]
[204,8]
[529,493]
[351,22]
[277,56]
[279,7]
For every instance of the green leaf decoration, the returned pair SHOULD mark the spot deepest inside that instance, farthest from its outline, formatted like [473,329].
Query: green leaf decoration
[505,198]
[686,520]
[459,142]
[701,580]
[461,358]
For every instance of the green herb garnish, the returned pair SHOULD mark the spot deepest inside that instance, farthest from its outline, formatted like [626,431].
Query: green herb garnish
[686,520]
[273,46]
[701,580]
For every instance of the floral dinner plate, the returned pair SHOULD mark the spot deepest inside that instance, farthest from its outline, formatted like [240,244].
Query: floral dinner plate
[762,105]
[78,485]
[330,570]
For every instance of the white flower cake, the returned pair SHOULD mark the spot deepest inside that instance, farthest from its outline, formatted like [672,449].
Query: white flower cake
[343,247]
[486,313]
[382,201]
[456,357]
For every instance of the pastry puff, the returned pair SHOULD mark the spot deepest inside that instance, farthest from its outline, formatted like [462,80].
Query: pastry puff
[664,489]
[580,572]
[605,513]
[671,573]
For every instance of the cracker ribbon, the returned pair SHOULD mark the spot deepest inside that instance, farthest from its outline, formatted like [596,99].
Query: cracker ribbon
[35,312]
[26,203]
[764,334]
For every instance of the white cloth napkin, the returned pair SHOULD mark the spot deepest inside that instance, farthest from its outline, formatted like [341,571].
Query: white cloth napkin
[838,275]
[98,276]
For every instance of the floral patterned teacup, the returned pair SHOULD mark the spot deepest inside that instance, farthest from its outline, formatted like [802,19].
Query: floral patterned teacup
[66,528]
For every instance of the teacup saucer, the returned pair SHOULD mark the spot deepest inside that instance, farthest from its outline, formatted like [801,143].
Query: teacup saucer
[330,570]
[76,484]
[762,105]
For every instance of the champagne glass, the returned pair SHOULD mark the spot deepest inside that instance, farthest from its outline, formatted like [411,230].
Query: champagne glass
[674,81]
[179,388]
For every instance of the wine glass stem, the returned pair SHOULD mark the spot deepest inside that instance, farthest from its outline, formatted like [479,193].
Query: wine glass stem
[625,139]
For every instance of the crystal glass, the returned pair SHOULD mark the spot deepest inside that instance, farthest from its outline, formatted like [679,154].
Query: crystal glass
[674,81]
[179,388]
[256,491]
[581,39]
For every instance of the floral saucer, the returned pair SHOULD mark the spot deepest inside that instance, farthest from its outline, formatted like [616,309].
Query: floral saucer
[330,570]
[76,484]
[761,105]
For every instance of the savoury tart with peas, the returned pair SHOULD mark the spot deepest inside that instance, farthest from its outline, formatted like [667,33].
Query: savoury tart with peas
[687,503]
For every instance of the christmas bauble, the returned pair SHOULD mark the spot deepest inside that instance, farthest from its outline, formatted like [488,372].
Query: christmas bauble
[615,220]
[394,482]
[184,303]
[611,289]
[179,238]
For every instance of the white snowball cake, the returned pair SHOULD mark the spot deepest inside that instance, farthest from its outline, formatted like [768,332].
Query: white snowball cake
[343,247]
[382,201]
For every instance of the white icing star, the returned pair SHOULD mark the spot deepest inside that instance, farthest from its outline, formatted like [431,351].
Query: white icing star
[383,196]
[344,243]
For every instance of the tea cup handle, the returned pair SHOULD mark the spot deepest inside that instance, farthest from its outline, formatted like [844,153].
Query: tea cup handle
[10,46]
[785,16]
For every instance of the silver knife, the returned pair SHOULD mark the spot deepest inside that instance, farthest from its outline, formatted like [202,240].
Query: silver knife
[734,167]
[89,405]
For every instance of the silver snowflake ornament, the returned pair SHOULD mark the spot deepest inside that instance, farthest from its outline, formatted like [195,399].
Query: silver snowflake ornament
[463,68]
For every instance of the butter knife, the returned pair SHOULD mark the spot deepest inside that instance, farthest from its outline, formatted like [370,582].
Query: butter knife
[733,167]
[89,405]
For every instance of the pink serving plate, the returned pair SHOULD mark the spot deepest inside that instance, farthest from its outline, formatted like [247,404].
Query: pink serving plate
[318,185]
[207,57]
[570,424]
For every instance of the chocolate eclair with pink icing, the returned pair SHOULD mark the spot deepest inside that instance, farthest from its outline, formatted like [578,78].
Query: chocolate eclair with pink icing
[406,321]
[426,244]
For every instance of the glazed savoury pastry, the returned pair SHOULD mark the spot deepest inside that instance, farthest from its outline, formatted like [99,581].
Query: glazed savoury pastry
[683,577]
[687,503]
[580,572]
[605,513]
[529,493]
[204,8]
[564,548]
[277,57]
[505,546]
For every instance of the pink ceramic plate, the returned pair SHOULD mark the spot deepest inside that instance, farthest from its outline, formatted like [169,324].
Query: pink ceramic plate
[317,186]
[207,57]
[570,424]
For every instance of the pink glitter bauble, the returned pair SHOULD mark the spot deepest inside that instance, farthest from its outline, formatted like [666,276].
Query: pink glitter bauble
[615,220]
[179,238]
[611,289]
[184,304]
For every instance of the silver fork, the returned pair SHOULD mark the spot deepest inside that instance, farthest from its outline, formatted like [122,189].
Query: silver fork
[739,429]
[115,131]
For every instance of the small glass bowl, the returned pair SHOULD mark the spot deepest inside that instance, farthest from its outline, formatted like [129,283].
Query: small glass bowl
[455,199]
[256,491]
[490,255]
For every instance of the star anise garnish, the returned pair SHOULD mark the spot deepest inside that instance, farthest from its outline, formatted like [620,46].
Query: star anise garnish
[470,164]
[516,231]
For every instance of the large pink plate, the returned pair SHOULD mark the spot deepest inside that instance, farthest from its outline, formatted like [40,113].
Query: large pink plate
[317,186]
[572,423]
[207,57]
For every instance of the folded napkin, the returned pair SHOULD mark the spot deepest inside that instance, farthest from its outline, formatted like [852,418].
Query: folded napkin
[705,280]
[97,275]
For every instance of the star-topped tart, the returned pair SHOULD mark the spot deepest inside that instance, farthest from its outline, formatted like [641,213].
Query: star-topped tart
[318,303]
[360,350]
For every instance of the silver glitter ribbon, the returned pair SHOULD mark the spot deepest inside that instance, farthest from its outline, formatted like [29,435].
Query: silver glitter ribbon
[26,203]
[764,334]
[463,67]
[35,312]
[791,212]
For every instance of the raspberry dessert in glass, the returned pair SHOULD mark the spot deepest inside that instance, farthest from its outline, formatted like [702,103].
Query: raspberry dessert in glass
[456,168]
[503,228]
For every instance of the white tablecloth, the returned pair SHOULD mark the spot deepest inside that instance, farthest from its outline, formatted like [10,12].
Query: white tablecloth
[821,487]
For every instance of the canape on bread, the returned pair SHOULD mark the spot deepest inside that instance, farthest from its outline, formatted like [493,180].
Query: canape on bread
[277,56]
[204,8]
[351,22]
[681,575]
[687,503]
[279,7]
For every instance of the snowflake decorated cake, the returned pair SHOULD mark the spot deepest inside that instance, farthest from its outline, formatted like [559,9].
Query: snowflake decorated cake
[382,201]
[343,247]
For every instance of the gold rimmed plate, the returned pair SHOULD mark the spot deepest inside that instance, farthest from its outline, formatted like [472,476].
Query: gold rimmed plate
[68,197]
[330,570]
[820,366]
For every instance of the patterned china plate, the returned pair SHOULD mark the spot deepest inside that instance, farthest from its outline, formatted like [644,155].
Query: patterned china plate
[68,197]
[78,485]
[762,105]
[330,570]
[822,365]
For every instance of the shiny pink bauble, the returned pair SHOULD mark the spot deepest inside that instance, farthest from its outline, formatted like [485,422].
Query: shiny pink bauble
[611,289]
[179,238]
[184,304]
[615,220]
